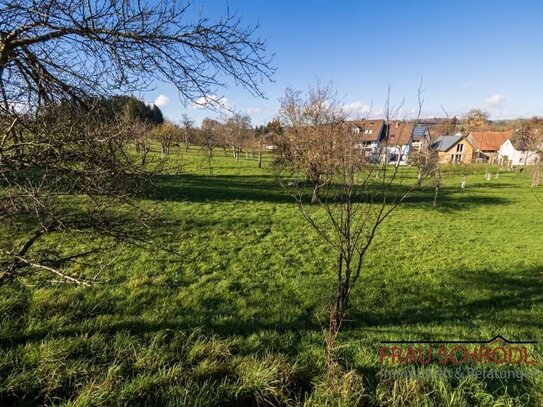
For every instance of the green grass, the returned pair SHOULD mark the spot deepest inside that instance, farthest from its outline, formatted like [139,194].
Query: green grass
[232,320]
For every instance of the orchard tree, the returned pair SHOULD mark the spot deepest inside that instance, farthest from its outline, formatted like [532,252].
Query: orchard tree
[58,60]
[311,122]
[352,194]
[210,132]
[237,129]
[167,134]
[188,129]
[530,136]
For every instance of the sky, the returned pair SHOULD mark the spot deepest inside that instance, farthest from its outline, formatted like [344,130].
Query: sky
[484,54]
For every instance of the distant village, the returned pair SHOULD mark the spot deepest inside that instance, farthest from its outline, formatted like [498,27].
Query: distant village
[396,141]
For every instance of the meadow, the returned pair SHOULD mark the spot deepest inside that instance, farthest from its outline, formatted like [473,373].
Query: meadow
[231,313]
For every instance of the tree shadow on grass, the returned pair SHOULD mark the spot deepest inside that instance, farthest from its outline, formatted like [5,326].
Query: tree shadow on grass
[224,188]
[219,188]
[478,294]
[500,296]
[506,298]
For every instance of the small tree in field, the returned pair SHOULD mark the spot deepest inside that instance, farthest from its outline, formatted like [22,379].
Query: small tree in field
[167,134]
[322,162]
[237,131]
[209,136]
[311,122]
[187,126]
[530,136]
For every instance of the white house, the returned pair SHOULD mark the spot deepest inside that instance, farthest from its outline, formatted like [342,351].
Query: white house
[370,133]
[399,138]
[514,153]
[404,138]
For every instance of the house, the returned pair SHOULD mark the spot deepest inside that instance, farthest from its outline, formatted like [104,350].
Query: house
[487,144]
[393,141]
[371,133]
[421,137]
[453,149]
[514,152]
[398,141]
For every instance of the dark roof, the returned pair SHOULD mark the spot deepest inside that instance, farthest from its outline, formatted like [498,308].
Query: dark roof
[444,143]
[420,131]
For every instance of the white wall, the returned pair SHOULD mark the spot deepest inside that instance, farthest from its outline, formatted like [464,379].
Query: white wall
[516,157]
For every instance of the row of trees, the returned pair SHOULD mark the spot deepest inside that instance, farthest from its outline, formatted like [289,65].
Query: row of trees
[233,134]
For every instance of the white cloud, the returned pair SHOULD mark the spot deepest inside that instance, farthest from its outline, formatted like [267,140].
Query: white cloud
[496,101]
[495,105]
[467,84]
[208,101]
[356,108]
[254,111]
[161,101]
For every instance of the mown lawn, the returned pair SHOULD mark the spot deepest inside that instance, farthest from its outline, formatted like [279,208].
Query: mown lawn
[233,317]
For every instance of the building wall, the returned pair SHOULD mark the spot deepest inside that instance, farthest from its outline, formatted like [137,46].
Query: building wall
[463,157]
[394,153]
[514,156]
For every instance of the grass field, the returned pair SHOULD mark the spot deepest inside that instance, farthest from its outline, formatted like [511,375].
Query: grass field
[232,319]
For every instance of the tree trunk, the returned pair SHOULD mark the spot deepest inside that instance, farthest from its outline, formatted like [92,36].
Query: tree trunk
[259,160]
[536,176]
[315,195]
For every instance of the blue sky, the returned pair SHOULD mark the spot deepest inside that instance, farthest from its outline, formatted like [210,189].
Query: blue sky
[484,54]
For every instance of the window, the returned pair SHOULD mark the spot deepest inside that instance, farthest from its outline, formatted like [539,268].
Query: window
[459,148]
[456,158]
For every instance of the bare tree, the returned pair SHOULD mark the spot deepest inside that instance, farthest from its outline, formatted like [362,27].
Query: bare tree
[530,136]
[59,143]
[209,133]
[356,193]
[311,122]
[80,48]
[166,134]
[187,126]
[71,169]
[258,142]
[237,131]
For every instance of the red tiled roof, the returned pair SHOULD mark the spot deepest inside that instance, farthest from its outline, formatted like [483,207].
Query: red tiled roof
[490,140]
[399,133]
[370,130]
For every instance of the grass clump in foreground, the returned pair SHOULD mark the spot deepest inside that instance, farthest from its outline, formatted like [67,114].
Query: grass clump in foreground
[232,318]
